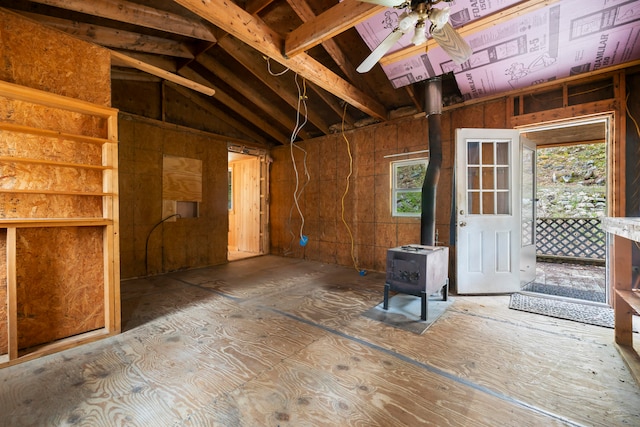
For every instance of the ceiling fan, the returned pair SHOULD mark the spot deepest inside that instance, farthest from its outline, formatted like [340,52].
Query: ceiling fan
[416,15]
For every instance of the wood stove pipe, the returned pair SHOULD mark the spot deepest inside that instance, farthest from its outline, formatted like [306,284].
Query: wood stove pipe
[433,109]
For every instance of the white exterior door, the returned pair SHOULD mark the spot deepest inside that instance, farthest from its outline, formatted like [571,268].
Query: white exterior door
[489,220]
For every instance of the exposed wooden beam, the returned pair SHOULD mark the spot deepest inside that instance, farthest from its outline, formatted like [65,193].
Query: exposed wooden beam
[136,14]
[114,38]
[254,32]
[236,82]
[471,28]
[255,6]
[220,114]
[121,59]
[240,108]
[240,52]
[328,24]
[305,13]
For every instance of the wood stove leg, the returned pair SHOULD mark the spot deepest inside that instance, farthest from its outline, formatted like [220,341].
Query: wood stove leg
[385,304]
[423,311]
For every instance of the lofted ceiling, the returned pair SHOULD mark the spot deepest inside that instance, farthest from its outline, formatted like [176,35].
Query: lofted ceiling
[264,67]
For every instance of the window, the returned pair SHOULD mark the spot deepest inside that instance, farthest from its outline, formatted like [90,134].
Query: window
[407,177]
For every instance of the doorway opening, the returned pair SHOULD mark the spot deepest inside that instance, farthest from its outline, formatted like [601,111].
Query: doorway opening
[571,198]
[247,197]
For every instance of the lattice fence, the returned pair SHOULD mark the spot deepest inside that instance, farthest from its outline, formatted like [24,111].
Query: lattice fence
[571,237]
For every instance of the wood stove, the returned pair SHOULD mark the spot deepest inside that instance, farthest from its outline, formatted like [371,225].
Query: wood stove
[417,270]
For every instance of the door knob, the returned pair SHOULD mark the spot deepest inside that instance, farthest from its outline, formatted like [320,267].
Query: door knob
[463,223]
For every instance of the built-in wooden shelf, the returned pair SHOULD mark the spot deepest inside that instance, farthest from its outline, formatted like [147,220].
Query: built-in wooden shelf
[53,222]
[38,254]
[11,127]
[626,299]
[55,192]
[6,159]
[632,298]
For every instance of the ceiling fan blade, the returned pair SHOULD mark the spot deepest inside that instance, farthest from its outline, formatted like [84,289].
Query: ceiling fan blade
[379,51]
[388,3]
[452,43]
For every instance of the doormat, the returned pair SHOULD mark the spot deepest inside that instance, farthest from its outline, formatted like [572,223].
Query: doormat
[583,313]
[565,291]
[404,312]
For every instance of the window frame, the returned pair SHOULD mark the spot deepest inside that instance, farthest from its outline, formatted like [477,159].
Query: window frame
[395,191]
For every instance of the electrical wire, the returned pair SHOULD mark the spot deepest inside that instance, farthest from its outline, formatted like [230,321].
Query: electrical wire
[630,115]
[146,246]
[271,72]
[302,102]
[346,191]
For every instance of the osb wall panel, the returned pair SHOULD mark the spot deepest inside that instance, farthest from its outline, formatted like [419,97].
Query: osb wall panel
[173,245]
[45,148]
[42,58]
[43,117]
[326,200]
[4,330]
[367,206]
[58,298]
[49,206]
[24,176]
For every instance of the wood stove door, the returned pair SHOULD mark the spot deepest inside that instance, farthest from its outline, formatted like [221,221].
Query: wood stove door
[488,211]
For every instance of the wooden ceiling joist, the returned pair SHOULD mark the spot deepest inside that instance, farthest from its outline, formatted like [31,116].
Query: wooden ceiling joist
[239,52]
[220,114]
[334,21]
[116,39]
[240,108]
[136,14]
[254,32]
[121,59]
[304,12]
[236,82]
[255,6]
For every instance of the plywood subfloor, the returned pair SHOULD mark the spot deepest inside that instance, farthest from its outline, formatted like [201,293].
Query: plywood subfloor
[270,341]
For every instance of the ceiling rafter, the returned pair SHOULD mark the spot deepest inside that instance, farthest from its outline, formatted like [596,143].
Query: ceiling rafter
[121,59]
[136,14]
[113,38]
[239,108]
[207,106]
[256,6]
[254,32]
[238,51]
[327,25]
[304,12]
[233,80]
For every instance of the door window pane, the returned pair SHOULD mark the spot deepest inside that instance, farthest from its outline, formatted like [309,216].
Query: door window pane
[473,178]
[502,178]
[487,153]
[488,177]
[487,203]
[473,203]
[502,153]
[473,153]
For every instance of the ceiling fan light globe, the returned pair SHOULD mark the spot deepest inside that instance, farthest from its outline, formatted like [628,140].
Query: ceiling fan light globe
[407,21]
[439,17]
[420,36]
